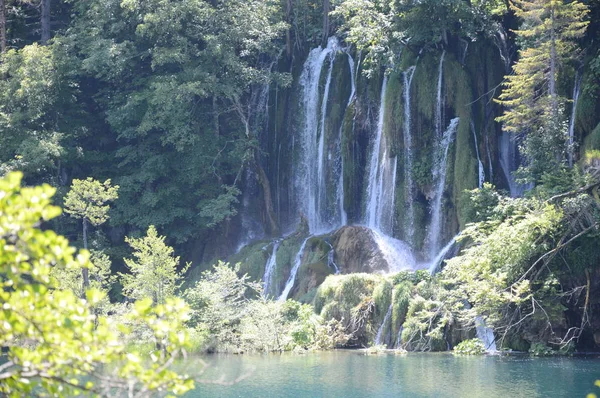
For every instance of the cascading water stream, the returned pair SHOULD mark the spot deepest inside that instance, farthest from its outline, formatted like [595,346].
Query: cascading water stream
[292,279]
[382,176]
[309,178]
[576,91]
[270,268]
[439,178]
[380,333]
[322,183]
[485,334]
[408,155]
[481,168]
[340,193]
[381,195]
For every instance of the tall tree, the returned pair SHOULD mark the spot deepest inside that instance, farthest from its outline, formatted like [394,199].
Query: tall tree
[45,20]
[2,26]
[153,269]
[548,35]
[87,201]
[52,344]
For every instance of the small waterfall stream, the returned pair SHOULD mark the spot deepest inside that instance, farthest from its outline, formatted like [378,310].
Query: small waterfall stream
[408,155]
[292,279]
[479,162]
[381,332]
[485,334]
[576,91]
[439,178]
[270,268]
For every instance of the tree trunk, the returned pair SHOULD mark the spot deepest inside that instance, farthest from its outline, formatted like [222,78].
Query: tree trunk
[45,21]
[266,187]
[288,33]
[84,271]
[552,82]
[2,26]
[325,21]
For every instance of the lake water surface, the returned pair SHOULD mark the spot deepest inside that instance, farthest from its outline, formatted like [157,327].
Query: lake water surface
[352,374]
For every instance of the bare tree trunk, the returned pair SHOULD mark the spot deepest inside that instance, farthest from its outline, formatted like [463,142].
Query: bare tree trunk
[288,33]
[552,82]
[85,271]
[2,26]
[325,21]
[45,21]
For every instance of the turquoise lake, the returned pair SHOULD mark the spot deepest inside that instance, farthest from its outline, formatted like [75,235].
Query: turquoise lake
[353,374]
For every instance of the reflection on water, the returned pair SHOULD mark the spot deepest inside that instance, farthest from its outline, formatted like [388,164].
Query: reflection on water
[351,374]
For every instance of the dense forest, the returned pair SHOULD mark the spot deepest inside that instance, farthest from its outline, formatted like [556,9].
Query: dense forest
[289,175]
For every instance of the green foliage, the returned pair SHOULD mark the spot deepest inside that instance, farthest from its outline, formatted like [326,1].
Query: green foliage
[54,342]
[88,199]
[230,311]
[469,347]
[153,269]
[541,350]
[38,108]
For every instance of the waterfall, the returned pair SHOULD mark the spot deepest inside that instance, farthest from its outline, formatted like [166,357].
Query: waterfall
[309,180]
[439,117]
[408,156]
[292,279]
[485,334]
[380,332]
[270,268]
[576,90]
[382,176]
[340,193]
[439,178]
[322,184]
[481,169]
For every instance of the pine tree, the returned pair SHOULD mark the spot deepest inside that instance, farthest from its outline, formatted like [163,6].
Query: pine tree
[153,269]
[548,37]
[87,201]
